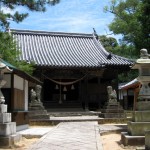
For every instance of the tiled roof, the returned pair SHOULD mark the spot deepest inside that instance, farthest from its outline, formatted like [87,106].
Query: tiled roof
[56,49]
[132,84]
[21,73]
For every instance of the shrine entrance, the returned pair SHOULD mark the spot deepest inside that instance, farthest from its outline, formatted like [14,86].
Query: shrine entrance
[60,92]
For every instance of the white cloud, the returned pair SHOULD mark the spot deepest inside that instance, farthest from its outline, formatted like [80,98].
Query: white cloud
[70,16]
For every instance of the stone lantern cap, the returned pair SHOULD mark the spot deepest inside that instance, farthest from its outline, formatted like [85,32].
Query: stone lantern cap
[143,61]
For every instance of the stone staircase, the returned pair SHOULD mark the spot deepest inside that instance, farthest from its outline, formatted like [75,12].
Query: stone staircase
[65,106]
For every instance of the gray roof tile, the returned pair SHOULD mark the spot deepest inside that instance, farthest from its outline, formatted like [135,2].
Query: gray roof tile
[56,49]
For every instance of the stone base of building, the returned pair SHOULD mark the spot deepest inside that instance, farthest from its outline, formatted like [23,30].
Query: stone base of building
[127,139]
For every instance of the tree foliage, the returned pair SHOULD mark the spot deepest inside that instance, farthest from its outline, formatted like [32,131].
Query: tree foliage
[109,43]
[121,49]
[10,53]
[8,47]
[32,5]
[128,51]
[132,18]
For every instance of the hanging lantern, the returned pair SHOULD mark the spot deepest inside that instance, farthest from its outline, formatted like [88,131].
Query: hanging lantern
[64,89]
[56,87]
[72,87]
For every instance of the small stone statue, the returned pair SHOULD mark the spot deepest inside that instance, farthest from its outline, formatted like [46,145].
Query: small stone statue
[112,96]
[33,96]
[38,89]
[36,94]
[144,54]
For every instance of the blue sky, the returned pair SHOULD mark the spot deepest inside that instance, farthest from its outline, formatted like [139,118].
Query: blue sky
[79,16]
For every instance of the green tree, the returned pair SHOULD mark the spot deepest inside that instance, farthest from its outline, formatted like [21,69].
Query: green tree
[144,19]
[10,53]
[121,49]
[32,5]
[109,43]
[8,47]
[131,18]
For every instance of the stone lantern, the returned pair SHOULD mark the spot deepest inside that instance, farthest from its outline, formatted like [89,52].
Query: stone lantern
[143,65]
[140,123]
[3,69]
[8,135]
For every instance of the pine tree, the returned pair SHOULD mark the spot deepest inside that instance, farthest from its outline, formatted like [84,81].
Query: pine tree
[32,5]
[8,47]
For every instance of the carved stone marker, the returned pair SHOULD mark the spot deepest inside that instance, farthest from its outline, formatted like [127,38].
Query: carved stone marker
[112,108]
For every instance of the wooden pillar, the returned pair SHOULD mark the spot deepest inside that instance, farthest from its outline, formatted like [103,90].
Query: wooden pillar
[117,87]
[80,97]
[12,92]
[86,93]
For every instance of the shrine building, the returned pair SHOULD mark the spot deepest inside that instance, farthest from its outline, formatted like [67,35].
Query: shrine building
[75,68]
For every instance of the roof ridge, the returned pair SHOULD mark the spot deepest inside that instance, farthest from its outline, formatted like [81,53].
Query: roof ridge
[124,58]
[50,33]
[100,47]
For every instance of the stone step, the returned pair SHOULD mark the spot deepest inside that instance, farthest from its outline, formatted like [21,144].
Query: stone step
[112,115]
[36,112]
[40,116]
[65,104]
[66,114]
[112,110]
[113,107]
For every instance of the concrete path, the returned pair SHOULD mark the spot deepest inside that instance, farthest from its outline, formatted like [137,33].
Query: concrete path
[71,136]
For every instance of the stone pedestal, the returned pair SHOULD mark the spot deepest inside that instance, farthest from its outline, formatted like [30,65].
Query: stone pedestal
[8,134]
[137,128]
[143,105]
[37,111]
[112,110]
